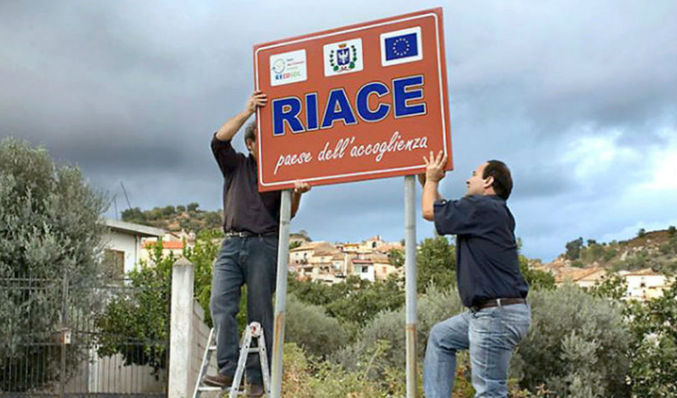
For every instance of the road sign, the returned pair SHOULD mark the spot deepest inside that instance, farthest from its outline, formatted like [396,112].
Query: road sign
[360,102]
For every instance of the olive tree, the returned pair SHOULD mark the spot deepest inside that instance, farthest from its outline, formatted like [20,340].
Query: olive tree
[50,240]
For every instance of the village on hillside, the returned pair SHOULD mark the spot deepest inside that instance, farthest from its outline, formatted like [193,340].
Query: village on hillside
[318,261]
[373,259]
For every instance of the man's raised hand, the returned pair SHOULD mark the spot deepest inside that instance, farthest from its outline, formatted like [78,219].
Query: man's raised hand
[434,167]
[256,100]
[301,187]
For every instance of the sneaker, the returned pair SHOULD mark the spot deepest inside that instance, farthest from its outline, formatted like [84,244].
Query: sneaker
[254,390]
[218,380]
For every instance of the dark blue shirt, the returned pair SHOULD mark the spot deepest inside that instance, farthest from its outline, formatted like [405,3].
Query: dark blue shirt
[486,250]
[245,209]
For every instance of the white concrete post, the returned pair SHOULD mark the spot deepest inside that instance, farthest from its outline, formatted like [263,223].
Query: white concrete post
[181,329]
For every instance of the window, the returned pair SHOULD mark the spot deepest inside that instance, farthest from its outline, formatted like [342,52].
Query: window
[114,264]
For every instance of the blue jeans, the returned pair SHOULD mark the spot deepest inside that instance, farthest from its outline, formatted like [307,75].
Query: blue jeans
[490,334]
[251,261]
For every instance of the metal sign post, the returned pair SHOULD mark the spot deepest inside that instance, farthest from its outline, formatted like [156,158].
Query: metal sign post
[410,280]
[280,294]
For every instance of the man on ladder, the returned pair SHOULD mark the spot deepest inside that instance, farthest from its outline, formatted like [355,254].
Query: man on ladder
[248,254]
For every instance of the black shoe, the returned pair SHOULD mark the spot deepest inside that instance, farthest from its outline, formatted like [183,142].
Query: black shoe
[254,390]
[218,380]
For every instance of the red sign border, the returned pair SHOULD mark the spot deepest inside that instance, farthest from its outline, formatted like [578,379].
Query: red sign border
[436,13]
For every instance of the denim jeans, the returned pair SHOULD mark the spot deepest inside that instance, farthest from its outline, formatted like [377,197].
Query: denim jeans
[251,261]
[490,334]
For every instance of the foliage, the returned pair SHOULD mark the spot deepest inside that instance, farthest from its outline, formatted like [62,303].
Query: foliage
[144,312]
[574,248]
[612,287]
[536,279]
[434,306]
[293,245]
[641,232]
[671,230]
[202,255]
[143,315]
[50,230]
[312,329]
[175,217]
[306,377]
[396,257]
[577,345]
[354,301]
[653,370]
[436,264]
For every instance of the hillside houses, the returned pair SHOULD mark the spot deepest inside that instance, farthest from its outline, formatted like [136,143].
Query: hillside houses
[331,263]
[642,284]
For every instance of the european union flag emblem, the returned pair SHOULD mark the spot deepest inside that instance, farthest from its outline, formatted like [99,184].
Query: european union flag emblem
[403,46]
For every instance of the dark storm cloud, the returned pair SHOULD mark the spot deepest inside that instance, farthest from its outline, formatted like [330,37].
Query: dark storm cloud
[132,91]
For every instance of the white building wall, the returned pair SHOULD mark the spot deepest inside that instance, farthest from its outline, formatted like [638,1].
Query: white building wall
[129,244]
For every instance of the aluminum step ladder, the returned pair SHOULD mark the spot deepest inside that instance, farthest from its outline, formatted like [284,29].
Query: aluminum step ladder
[253,331]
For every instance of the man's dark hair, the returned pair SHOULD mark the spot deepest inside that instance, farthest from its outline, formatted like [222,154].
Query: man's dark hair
[502,180]
[250,132]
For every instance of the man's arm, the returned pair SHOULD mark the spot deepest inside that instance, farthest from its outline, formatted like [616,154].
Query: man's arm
[233,125]
[433,174]
[299,189]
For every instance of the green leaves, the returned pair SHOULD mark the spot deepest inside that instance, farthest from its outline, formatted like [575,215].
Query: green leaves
[436,264]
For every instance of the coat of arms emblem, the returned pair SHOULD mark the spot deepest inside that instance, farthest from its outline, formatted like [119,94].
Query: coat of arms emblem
[343,58]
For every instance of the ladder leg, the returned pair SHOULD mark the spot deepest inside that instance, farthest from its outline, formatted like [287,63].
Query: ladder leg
[205,362]
[241,363]
[263,358]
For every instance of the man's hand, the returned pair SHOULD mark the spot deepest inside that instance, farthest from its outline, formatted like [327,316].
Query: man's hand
[301,187]
[256,100]
[228,130]
[434,167]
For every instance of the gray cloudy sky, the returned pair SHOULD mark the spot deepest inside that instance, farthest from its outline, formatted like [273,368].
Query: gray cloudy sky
[578,97]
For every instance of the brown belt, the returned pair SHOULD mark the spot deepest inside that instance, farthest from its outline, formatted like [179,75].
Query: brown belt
[498,303]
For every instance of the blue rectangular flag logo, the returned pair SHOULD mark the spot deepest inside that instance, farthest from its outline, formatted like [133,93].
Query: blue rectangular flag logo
[401,46]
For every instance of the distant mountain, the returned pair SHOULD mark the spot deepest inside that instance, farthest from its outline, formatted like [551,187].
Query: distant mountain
[175,218]
[653,249]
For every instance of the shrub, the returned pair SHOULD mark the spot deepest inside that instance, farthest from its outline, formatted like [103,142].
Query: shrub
[50,232]
[577,345]
[312,329]
[433,307]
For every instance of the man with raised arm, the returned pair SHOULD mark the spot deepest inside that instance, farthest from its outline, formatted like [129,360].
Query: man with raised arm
[248,254]
[489,281]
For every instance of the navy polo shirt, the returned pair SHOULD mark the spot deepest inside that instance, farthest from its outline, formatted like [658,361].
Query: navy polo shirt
[245,209]
[486,250]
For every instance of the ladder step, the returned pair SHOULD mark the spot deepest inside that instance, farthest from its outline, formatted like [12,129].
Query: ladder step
[207,388]
[212,348]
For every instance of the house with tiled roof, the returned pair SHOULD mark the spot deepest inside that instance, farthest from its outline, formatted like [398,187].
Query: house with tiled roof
[583,277]
[644,284]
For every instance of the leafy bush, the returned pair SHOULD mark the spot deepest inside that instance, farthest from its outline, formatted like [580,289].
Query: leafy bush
[50,231]
[653,371]
[305,377]
[436,264]
[356,301]
[536,279]
[143,314]
[433,307]
[577,345]
[312,329]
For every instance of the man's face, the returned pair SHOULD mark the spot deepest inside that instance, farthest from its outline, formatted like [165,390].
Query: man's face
[253,146]
[476,184]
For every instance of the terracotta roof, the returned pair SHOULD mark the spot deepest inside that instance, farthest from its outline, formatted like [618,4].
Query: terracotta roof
[312,246]
[358,261]
[576,274]
[643,272]
[169,245]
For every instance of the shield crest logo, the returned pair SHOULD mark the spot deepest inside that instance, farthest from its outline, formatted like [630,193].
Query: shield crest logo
[343,56]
